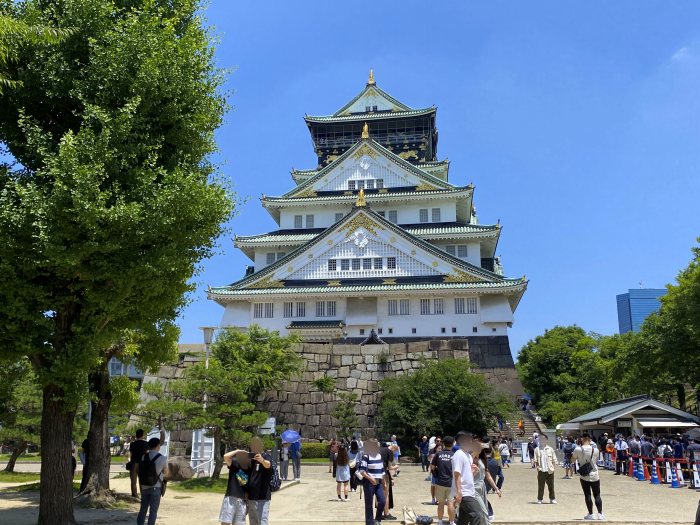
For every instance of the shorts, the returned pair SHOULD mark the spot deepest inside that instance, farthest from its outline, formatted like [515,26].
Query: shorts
[568,462]
[443,493]
[233,510]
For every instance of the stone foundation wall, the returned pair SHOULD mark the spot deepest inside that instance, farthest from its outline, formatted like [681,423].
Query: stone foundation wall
[299,405]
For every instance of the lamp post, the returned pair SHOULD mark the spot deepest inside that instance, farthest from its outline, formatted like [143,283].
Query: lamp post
[208,333]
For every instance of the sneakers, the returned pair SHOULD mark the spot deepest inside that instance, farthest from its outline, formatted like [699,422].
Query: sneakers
[553,501]
[589,517]
[601,517]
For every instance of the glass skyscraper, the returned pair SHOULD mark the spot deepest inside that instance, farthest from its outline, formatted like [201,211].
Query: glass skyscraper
[635,306]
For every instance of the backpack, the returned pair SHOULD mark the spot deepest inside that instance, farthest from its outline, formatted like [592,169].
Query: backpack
[275,480]
[148,476]
[668,452]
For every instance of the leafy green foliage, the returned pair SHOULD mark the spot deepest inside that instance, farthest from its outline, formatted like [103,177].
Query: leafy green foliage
[344,415]
[442,397]
[324,384]
[315,451]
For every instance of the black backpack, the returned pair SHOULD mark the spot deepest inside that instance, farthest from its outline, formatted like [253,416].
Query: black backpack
[148,476]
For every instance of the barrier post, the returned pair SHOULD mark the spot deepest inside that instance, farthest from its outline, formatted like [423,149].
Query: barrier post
[655,473]
[630,462]
[640,470]
[674,479]
[669,472]
[679,474]
[695,477]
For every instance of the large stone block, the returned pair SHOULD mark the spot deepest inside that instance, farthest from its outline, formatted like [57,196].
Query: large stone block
[346,360]
[344,371]
[351,383]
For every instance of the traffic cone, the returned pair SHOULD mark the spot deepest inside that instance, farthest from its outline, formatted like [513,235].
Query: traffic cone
[640,473]
[674,480]
[655,474]
[647,477]
[631,469]
[679,475]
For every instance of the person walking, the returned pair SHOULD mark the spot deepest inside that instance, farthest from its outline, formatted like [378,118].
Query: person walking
[504,451]
[259,492]
[621,454]
[587,456]
[521,427]
[387,452]
[465,498]
[354,458]
[284,461]
[295,454]
[137,449]
[531,451]
[483,479]
[234,507]
[372,473]
[545,461]
[442,477]
[424,450]
[342,475]
[396,449]
[569,464]
[151,471]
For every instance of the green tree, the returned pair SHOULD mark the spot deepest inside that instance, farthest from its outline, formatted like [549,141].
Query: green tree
[20,409]
[345,414]
[14,34]
[442,397]
[112,204]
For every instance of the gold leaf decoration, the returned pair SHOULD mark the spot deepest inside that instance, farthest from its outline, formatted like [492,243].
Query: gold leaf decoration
[267,282]
[423,186]
[435,263]
[411,154]
[364,150]
[359,221]
[306,194]
[388,281]
[460,276]
[333,283]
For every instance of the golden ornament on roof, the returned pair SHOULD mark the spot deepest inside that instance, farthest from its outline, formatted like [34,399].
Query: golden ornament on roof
[365,131]
[361,198]
[370,80]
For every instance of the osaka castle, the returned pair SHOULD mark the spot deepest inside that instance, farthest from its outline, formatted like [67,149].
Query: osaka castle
[376,241]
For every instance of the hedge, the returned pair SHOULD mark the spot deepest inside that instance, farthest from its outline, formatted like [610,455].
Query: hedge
[315,450]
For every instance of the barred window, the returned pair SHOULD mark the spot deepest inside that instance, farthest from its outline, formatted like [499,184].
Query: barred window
[393,216]
[338,216]
[261,310]
[425,306]
[404,307]
[393,307]
[355,264]
[391,263]
[270,258]
[309,221]
[345,264]
[298,221]
[471,305]
[462,250]
[450,248]
[438,306]
[280,255]
[366,264]
[378,263]
[269,310]
[436,214]
[351,184]
[423,215]
[380,183]
[382,213]
[465,305]
[288,310]
[320,308]
[301,309]
[370,184]
[330,308]
[332,264]
[258,310]
[459,305]
[360,184]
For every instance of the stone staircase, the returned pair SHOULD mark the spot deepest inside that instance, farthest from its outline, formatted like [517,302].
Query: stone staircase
[510,427]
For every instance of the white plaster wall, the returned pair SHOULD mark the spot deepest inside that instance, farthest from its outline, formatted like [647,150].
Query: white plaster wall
[240,314]
[496,309]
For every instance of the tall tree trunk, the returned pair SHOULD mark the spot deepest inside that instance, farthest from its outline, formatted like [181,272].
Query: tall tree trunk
[56,485]
[100,456]
[218,458]
[17,451]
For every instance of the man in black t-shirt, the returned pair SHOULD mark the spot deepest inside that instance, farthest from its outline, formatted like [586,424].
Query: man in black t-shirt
[233,508]
[259,492]
[441,468]
[136,451]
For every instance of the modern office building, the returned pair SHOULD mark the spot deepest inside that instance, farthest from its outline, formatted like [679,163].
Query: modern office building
[636,305]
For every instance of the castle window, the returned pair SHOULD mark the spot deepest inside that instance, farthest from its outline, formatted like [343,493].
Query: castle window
[454,330]
[374,108]
[309,221]
[423,213]
[362,331]
[382,213]
[355,264]
[425,306]
[413,330]
[325,308]
[391,330]
[442,330]
[360,184]
[393,305]
[404,307]
[351,184]
[280,255]
[438,306]
[344,264]
[378,263]
[288,310]
[270,258]
[471,305]
[338,216]
[263,310]
[379,183]
[465,305]
[370,184]
[450,248]
[298,221]
[393,216]
[366,264]
[474,329]
[391,263]
[493,329]
[301,309]
[379,331]
[332,265]
[462,250]
[436,214]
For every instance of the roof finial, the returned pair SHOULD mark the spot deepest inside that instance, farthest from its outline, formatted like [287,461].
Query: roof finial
[365,131]
[370,80]
[361,199]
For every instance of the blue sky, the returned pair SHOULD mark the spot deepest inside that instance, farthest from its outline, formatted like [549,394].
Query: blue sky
[578,122]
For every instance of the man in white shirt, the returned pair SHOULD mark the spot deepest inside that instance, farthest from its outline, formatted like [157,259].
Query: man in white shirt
[470,512]
[621,453]
[545,461]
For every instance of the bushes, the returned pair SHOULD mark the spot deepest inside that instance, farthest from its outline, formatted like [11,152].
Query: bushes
[315,450]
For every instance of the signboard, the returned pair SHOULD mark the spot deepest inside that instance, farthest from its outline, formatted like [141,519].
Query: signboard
[268,427]
[623,423]
[525,453]
[165,446]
